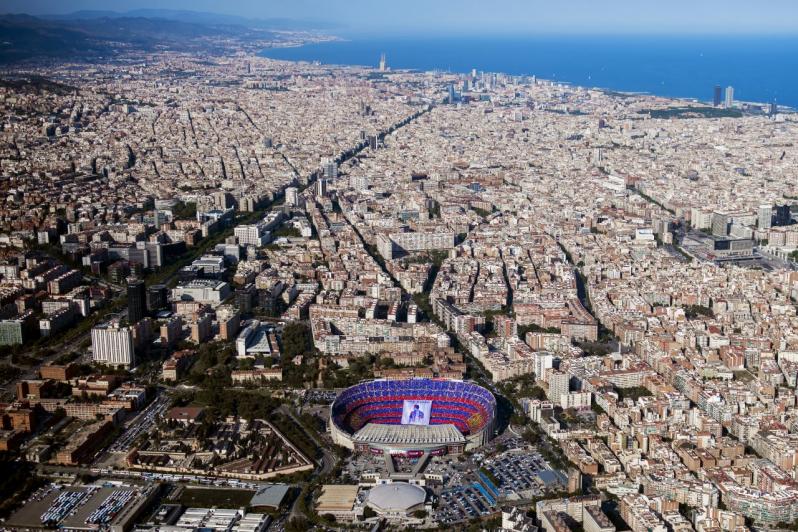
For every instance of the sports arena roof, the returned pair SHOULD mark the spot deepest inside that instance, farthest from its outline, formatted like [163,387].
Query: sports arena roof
[270,495]
[397,496]
[375,434]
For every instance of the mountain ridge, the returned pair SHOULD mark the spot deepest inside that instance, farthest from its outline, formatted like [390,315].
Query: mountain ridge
[92,34]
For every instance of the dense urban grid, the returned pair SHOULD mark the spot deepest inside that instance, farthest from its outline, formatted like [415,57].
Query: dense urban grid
[242,294]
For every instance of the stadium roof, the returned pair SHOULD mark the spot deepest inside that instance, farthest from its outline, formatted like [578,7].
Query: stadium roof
[397,496]
[376,433]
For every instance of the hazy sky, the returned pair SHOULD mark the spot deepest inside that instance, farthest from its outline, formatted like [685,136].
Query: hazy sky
[528,16]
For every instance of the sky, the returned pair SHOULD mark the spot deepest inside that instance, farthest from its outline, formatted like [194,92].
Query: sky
[483,16]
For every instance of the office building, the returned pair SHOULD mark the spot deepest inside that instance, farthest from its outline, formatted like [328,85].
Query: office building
[136,300]
[258,234]
[321,187]
[330,168]
[598,156]
[245,297]
[732,247]
[112,344]
[157,297]
[209,266]
[292,196]
[374,141]
[19,330]
[729,102]
[250,235]
[783,216]
[203,291]
[717,96]
[720,224]
[765,216]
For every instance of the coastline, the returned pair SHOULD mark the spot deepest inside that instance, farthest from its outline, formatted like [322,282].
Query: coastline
[304,51]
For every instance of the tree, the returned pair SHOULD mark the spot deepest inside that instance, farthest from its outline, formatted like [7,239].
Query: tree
[184,211]
[297,340]
[297,524]
[691,312]
[532,436]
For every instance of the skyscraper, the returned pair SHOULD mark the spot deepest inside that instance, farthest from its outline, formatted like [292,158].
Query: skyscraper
[136,300]
[716,100]
[783,216]
[330,168]
[729,97]
[321,187]
[374,142]
[765,216]
[720,224]
[291,196]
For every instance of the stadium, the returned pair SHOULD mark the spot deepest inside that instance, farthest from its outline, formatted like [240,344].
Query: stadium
[412,417]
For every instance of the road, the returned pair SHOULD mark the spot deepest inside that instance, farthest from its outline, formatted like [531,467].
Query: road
[326,465]
[135,427]
[328,459]
[776,262]
[174,478]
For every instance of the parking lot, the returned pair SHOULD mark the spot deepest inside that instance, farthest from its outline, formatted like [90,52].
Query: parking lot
[469,487]
[320,397]
[141,423]
[523,474]
[463,503]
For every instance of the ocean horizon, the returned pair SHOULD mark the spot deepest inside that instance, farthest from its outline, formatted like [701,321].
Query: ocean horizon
[760,68]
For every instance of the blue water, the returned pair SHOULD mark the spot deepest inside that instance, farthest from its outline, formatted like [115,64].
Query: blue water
[761,69]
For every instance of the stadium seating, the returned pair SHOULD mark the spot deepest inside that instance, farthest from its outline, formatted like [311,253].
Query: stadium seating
[465,405]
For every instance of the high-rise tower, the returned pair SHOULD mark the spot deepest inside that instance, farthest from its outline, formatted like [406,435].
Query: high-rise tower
[717,96]
[136,300]
[729,103]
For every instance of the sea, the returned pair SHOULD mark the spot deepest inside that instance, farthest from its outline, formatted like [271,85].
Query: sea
[761,69]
